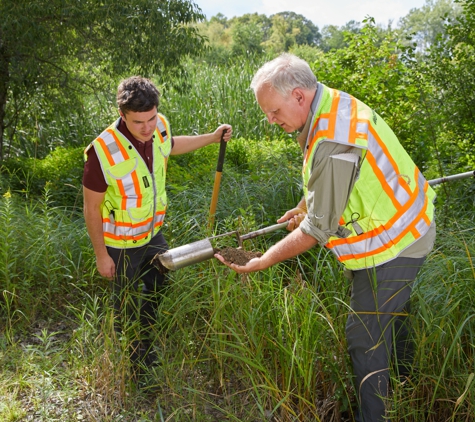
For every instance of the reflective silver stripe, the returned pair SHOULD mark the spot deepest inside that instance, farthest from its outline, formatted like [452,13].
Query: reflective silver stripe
[322,124]
[112,147]
[125,230]
[131,231]
[162,129]
[421,226]
[343,118]
[390,174]
[131,191]
[362,127]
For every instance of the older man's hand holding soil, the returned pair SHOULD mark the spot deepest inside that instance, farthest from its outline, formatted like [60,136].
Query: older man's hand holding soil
[239,260]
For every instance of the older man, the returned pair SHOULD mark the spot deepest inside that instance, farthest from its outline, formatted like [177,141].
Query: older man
[365,200]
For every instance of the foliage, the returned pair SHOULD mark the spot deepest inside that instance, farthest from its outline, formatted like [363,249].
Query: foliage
[49,48]
[247,39]
[304,30]
[425,25]
[333,37]
[223,98]
[449,66]
[253,34]
[43,250]
[60,172]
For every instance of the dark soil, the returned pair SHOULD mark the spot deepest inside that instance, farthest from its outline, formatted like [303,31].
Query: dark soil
[232,255]
[238,256]
[156,262]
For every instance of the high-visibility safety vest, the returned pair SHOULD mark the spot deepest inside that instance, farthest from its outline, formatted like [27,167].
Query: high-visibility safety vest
[391,203]
[135,201]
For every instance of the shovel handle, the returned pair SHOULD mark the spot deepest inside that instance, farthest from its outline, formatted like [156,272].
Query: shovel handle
[222,151]
[217,179]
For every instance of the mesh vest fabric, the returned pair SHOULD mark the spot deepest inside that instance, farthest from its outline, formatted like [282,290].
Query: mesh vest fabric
[135,201]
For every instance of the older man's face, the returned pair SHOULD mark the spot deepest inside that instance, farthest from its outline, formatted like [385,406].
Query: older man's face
[287,112]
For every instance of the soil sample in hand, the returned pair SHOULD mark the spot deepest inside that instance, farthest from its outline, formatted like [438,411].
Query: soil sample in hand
[238,256]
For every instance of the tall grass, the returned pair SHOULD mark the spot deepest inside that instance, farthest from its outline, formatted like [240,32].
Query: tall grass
[203,102]
[267,346]
[445,327]
[44,255]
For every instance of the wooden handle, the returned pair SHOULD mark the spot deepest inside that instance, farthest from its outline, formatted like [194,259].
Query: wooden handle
[217,180]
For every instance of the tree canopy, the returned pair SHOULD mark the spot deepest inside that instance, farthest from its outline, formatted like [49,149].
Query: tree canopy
[57,56]
[55,51]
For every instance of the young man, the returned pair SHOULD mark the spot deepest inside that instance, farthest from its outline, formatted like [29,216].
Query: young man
[125,204]
[365,200]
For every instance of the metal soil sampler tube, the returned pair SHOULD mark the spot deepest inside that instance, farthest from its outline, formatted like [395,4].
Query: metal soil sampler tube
[189,254]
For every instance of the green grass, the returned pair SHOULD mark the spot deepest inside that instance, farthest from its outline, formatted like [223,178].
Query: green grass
[267,346]
[204,102]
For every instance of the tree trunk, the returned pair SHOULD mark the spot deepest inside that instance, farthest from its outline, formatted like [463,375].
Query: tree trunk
[4,80]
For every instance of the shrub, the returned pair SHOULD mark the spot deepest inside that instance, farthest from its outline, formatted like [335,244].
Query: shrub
[60,171]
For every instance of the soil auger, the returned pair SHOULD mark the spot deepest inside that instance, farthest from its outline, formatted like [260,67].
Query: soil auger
[193,253]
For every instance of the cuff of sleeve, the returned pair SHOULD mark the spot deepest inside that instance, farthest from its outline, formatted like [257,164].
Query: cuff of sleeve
[308,228]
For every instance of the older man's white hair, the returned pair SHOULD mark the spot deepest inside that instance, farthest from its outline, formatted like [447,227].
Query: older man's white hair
[284,74]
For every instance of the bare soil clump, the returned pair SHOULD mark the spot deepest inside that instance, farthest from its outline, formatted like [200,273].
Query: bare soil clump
[156,262]
[238,256]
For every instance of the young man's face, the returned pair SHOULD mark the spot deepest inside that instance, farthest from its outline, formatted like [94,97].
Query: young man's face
[288,113]
[141,124]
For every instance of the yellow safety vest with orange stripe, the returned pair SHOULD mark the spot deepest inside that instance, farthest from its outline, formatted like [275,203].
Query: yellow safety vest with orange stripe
[391,204]
[135,201]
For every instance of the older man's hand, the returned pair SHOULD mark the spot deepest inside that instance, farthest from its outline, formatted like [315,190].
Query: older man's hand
[255,264]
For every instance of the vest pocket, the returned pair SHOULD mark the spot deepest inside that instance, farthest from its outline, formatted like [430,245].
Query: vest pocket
[122,171]
[139,214]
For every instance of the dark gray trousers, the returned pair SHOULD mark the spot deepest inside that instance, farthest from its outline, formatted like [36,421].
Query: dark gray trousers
[378,332]
[135,309]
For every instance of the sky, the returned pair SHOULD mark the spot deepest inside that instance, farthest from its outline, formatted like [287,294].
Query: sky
[320,12]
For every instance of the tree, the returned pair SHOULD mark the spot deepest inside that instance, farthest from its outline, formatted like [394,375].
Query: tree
[53,52]
[449,64]
[333,37]
[424,25]
[247,39]
[306,32]
[253,33]
[278,40]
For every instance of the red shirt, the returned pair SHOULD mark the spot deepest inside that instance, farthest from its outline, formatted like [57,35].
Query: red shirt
[93,178]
